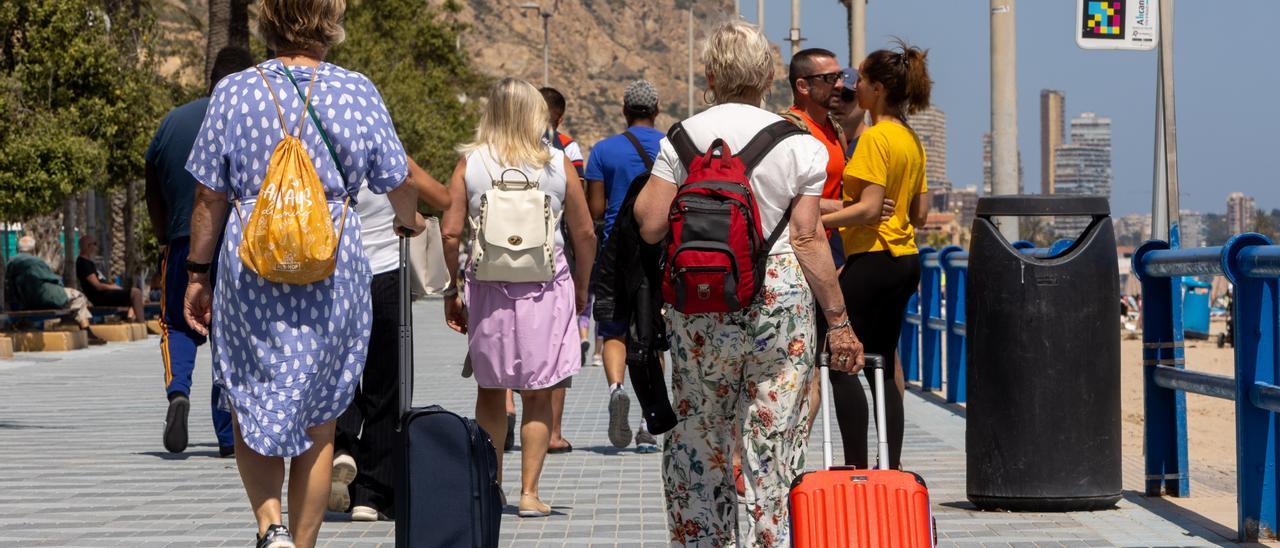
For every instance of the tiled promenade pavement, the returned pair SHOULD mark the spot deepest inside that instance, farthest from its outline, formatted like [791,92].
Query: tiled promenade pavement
[81,464]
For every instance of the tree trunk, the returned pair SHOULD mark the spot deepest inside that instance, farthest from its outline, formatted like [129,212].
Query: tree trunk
[117,232]
[131,262]
[68,243]
[46,229]
[228,27]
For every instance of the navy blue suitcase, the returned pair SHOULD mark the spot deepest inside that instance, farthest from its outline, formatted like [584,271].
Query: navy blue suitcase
[447,492]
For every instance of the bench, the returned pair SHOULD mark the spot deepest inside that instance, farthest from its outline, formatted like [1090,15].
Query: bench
[40,330]
[110,323]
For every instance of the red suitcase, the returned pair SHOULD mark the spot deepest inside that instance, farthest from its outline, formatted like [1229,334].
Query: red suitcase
[843,507]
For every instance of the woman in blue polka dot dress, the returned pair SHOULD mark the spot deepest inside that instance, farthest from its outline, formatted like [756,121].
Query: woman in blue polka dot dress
[288,357]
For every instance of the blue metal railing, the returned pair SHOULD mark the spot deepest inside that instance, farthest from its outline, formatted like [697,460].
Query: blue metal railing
[1253,266]
[934,324]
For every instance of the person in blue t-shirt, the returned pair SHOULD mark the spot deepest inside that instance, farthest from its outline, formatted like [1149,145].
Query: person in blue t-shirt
[614,164]
[170,193]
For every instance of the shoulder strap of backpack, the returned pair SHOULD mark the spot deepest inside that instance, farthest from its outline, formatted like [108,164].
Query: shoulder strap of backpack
[765,140]
[683,144]
[644,155]
[840,136]
[790,116]
[756,150]
[316,120]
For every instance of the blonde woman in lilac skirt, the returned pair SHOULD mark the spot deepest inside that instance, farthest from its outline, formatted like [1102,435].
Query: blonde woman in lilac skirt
[521,336]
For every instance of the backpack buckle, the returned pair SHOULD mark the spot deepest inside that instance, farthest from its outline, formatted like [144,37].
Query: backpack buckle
[704,291]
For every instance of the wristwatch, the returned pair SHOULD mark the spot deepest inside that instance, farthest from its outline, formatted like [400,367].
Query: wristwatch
[197,268]
[450,291]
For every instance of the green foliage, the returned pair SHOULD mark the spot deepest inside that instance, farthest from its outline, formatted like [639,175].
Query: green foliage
[78,100]
[1268,224]
[409,50]
[1216,231]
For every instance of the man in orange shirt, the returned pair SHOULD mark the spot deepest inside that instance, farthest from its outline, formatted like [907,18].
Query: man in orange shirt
[816,77]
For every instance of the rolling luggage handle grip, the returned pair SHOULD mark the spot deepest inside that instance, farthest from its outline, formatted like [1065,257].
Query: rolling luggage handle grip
[876,363]
[405,357]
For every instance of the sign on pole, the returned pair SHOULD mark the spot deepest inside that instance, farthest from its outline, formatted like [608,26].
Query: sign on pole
[1118,24]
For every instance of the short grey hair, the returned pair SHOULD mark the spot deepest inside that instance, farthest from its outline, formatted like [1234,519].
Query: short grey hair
[740,58]
[26,244]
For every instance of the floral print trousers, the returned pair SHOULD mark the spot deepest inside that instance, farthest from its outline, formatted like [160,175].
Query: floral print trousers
[749,370]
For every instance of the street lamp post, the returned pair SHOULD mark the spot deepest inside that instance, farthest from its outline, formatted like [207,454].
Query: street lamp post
[546,20]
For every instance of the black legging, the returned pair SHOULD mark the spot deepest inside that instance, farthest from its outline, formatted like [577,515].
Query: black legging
[876,288]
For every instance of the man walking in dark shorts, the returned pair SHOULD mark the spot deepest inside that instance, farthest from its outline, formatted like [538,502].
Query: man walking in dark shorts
[615,163]
[170,194]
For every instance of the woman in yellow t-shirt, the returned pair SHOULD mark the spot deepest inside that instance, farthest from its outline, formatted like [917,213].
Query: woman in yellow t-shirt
[883,266]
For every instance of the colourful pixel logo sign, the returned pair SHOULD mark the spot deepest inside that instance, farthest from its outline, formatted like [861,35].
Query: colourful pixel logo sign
[1104,19]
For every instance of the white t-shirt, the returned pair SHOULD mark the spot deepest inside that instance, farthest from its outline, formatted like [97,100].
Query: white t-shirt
[377,231]
[797,166]
[483,168]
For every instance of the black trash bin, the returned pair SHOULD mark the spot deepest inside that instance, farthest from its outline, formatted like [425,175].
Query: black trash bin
[1043,416]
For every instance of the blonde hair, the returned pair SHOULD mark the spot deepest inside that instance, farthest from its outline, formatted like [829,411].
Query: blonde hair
[739,57]
[512,125]
[301,24]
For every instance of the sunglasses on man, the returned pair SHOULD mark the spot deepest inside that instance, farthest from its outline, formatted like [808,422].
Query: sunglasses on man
[829,78]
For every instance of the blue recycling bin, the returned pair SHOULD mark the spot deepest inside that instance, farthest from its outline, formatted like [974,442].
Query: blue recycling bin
[1195,309]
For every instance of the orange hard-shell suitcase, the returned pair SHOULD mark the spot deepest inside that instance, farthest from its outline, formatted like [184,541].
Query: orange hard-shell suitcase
[843,507]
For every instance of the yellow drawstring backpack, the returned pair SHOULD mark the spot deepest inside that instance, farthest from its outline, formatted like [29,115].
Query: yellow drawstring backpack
[290,237]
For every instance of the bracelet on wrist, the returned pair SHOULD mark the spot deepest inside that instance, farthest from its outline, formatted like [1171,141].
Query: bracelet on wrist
[451,291]
[838,326]
[835,309]
[194,267]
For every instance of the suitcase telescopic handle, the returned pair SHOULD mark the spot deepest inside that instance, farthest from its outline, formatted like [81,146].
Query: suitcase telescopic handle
[876,363]
[405,357]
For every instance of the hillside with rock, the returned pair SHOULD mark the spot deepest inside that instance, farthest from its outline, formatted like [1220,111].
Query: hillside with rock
[596,48]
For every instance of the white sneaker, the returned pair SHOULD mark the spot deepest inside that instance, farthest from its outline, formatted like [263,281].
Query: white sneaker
[344,472]
[363,513]
[344,468]
[597,361]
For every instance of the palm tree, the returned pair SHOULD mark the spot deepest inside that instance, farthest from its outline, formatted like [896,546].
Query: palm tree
[228,27]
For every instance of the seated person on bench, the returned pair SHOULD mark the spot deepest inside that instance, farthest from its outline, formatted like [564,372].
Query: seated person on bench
[34,286]
[95,286]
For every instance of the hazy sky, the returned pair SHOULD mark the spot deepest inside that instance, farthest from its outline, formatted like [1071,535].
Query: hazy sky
[1226,70]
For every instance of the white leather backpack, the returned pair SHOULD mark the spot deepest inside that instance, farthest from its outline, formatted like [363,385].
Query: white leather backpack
[515,231]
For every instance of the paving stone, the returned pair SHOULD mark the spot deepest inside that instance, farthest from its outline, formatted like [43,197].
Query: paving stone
[80,436]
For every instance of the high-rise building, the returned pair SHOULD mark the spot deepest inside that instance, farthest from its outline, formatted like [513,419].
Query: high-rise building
[1192,229]
[930,126]
[1052,134]
[964,202]
[1133,228]
[1242,214]
[1090,129]
[1083,167]
[986,166]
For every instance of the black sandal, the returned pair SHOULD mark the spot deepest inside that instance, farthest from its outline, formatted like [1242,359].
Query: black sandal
[277,536]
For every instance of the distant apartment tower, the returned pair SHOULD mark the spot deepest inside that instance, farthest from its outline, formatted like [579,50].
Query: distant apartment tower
[964,202]
[1192,229]
[1242,214]
[986,166]
[930,126]
[1083,167]
[1052,134]
[1134,228]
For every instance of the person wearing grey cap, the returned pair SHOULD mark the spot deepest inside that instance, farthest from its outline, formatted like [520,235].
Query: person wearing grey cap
[615,163]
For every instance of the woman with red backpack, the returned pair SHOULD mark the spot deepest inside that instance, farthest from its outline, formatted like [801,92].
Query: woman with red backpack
[735,194]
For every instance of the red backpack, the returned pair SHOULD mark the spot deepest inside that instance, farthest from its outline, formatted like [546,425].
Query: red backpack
[716,250]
